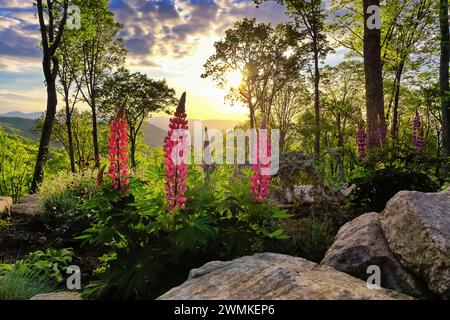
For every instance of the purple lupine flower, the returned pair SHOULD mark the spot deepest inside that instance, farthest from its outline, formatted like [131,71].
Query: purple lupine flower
[418,139]
[381,132]
[361,139]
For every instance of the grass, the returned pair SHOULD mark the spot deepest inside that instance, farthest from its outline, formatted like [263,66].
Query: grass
[20,283]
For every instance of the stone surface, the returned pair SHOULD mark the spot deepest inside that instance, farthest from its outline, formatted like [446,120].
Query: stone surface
[273,276]
[5,204]
[29,205]
[417,228]
[303,193]
[359,244]
[64,295]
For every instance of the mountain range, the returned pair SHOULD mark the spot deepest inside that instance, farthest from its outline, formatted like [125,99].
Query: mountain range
[155,130]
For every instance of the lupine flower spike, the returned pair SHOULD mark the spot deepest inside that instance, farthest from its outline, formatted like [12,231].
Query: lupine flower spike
[361,140]
[418,139]
[118,152]
[175,151]
[260,179]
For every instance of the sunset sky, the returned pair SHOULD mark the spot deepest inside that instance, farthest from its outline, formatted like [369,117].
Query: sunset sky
[165,39]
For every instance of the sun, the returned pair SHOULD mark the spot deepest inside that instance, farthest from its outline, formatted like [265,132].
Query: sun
[233,79]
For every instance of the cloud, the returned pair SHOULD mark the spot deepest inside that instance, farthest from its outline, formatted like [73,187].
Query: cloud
[172,28]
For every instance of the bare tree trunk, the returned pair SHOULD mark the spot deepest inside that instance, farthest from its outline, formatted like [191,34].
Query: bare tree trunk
[52,101]
[316,102]
[444,79]
[398,78]
[70,134]
[373,78]
[133,150]
[95,133]
[50,43]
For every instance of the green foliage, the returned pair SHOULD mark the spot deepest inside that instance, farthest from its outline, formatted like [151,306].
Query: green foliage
[50,264]
[20,283]
[61,196]
[374,188]
[149,250]
[309,238]
[16,165]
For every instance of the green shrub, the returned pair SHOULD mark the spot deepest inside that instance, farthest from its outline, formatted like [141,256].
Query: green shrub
[376,187]
[51,264]
[308,239]
[148,251]
[21,283]
[61,196]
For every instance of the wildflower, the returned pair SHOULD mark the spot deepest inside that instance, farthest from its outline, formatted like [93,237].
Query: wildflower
[362,141]
[118,152]
[175,151]
[260,179]
[418,139]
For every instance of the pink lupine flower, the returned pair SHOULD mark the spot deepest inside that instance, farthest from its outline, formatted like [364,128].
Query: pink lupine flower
[118,152]
[418,139]
[175,152]
[362,141]
[260,179]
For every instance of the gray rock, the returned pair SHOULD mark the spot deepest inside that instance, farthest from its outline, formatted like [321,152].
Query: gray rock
[361,243]
[29,205]
[63,295]
[273,276]
[417,229]
[5,204]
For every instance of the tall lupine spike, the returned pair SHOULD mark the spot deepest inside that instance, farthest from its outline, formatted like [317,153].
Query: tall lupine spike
[362,141]
[175,151]
[260,179]
[418,139]
[118,151]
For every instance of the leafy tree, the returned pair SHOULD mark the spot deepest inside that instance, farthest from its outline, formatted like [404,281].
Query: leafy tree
[342,101]
[309,19]
[70,62]
[101,51]
[51,34]
[258,52]
[145,96]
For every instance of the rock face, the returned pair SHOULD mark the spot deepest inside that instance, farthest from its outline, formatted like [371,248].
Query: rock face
[64,295]
[417,229]
[29,205]
[361,243]
[273,276]
[5,204]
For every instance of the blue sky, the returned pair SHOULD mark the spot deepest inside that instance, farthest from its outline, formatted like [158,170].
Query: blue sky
[168,39]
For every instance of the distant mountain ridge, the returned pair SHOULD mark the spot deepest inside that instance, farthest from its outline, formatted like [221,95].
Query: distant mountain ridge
[18,114]
[156,128]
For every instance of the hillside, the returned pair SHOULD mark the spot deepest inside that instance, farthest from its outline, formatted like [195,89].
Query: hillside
[19,126]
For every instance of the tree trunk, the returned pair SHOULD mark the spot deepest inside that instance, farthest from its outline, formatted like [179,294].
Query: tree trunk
[52,101]
[95,133]
[70,135]
[398,78]
[133,151]
[373,78]
[340,160]
[444,79]
[316,102]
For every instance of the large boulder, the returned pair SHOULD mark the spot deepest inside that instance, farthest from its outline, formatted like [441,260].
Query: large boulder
[30,205]
[359,244]
[417,228]
[5,204]
[273,276]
